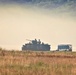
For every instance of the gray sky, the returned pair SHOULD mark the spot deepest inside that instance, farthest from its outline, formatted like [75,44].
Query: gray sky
[18,23]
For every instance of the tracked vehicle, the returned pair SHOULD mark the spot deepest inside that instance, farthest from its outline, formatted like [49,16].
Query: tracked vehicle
[35,45]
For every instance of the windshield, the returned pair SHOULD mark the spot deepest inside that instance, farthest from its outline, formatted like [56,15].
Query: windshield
[63,47]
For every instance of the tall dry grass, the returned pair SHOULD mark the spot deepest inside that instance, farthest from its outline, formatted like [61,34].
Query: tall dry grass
[37,63]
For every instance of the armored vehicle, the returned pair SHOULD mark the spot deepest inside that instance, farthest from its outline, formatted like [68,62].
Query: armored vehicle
[35,45]
[64,47]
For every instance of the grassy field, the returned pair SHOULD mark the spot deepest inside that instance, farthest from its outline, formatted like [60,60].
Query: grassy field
[37,63]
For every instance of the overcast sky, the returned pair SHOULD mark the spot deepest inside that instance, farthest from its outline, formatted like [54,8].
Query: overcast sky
[18,23]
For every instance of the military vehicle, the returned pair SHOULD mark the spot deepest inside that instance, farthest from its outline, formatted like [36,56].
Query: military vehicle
[35,45]
[64,47]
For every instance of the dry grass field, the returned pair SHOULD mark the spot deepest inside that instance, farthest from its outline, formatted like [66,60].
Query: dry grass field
[37,63]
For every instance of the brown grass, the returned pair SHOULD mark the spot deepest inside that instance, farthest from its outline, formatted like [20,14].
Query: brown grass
[37,63]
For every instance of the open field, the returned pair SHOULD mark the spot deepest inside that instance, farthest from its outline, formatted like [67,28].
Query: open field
[37,63]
